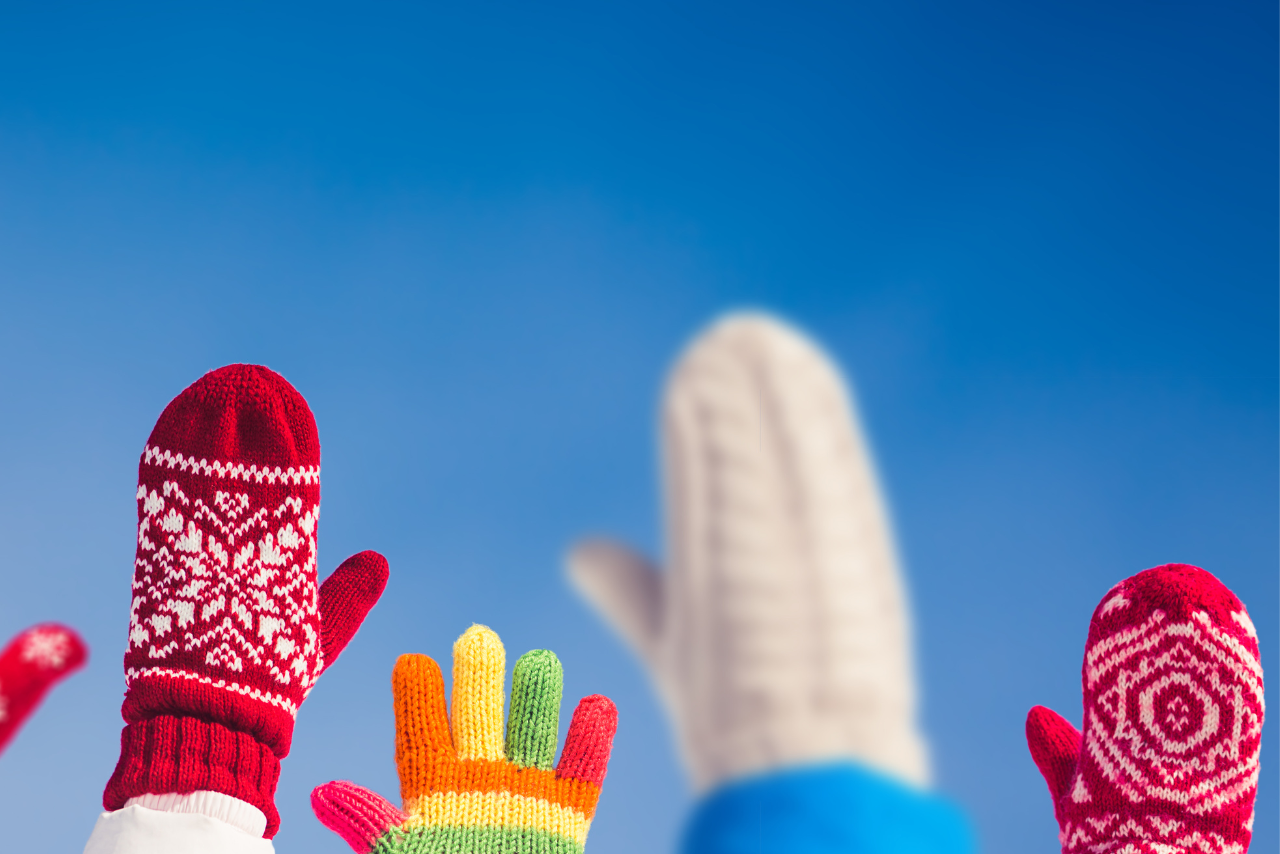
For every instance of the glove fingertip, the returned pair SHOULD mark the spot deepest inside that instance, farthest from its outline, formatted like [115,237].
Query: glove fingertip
[346,598]
[353,812]
[590,740]
[79,650]
[366,572]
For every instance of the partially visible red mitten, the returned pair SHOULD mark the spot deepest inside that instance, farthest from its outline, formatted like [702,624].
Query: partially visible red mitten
[229,631]
[30,665]
[1173,709]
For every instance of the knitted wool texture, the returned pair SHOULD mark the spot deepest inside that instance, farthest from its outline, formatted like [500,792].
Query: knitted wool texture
[227,631]
[779,632]
[30,665]
[472,791]
[1173,711]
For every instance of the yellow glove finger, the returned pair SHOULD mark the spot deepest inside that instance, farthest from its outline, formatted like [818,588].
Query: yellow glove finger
[479,675]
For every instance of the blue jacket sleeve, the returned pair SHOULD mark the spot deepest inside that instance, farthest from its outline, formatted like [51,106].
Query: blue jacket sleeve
[838,808]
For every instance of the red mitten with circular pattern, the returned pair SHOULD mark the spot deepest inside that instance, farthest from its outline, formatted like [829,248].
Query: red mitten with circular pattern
[1173,709]
[228,631]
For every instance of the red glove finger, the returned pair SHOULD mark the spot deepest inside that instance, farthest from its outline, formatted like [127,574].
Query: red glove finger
[585,755]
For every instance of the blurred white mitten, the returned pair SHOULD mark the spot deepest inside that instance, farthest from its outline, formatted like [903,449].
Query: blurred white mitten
[779,633]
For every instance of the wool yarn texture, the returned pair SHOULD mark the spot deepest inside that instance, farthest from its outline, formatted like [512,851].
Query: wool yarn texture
[33,662]
[778,634]
[228,630]
[474,787]
[1173,710]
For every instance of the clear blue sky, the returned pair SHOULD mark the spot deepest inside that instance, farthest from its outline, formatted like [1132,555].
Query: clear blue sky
[1040,236]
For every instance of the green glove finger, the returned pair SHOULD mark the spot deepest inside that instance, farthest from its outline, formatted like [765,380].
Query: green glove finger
[534,721]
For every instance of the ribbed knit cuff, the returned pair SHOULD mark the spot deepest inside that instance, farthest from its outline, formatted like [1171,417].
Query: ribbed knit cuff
[165,755]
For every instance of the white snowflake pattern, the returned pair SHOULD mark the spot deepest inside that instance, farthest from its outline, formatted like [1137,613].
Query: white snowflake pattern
[47,648]
[228,578]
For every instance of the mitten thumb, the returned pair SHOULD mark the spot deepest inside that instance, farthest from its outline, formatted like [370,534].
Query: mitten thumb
[1055,747]
[353,812]
[623,586]
[346,597]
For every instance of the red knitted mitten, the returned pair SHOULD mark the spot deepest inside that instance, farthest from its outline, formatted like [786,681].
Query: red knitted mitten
[227,632]
[30,665]
[1168,763]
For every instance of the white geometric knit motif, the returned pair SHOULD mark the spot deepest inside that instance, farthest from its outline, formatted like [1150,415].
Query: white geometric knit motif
[1177,714]
[1163,837]
[247,472]
[231,580]
[48,648]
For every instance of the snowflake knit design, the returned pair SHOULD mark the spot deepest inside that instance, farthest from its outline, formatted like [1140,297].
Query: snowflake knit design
[228,630]
[48,647]
[1173,712]
[224,577]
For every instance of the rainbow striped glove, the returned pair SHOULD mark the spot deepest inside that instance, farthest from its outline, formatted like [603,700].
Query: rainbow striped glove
[472,791]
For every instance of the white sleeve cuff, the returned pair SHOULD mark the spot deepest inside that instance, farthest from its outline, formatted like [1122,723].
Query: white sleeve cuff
[233,811]
[138,829]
